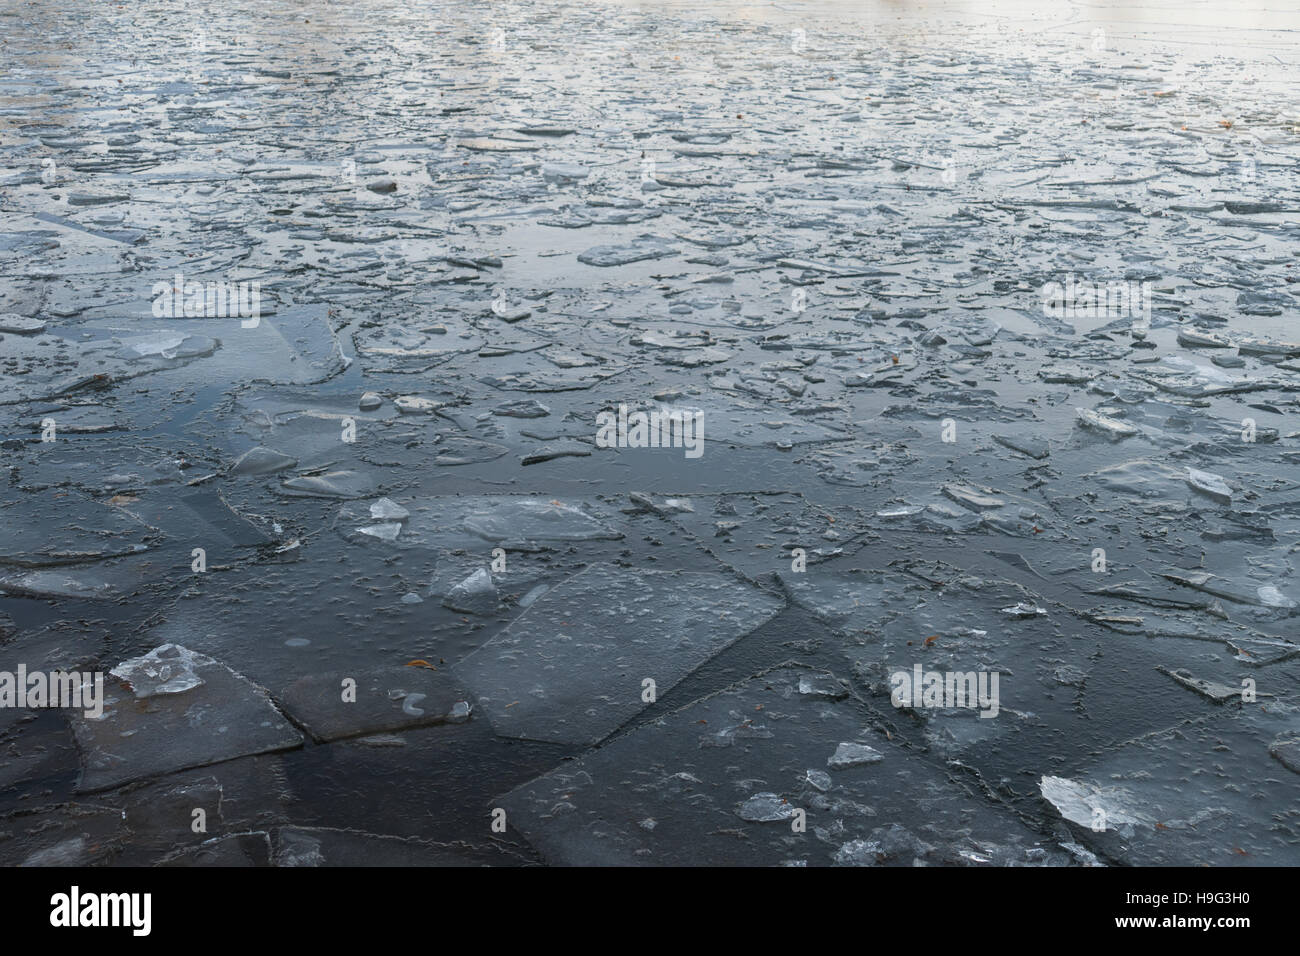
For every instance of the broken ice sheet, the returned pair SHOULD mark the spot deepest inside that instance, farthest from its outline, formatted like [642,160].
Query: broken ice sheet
[161,814]
[58,528]
[47,365]
[498,144]
[223,716]
[257,193]
[571,668]
[1145,478]
[556,450]
[108,580]
[331,484]
[1104,424]
[37,745]
[1209,484]
[1235,590]
[1169,611]
[1208,689]
[1182,376]
[1207,792]
[1083,803]
[852,755]
[890,623]
[324,846]
[390,698]
[417,346]
[756,532]
[262,461]
[477,594]
[298,431]
[295,346]
[384,531]
[482,521]
[766,808]
[385,509]
[1030,445]
[74,834]
[731,806]
[166,345]
[168,669]
[539,372]
[21,324]
[644,247]
[233,850]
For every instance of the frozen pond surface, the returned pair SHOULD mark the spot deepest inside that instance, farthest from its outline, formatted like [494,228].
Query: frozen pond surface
[970,331]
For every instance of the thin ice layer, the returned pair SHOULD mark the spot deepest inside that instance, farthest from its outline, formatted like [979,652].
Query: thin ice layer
[718,783]
[572,668]
[222,717]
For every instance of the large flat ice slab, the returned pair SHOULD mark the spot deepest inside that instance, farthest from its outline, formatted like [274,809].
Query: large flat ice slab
[195,711]
[571,669]
[338,705]
[723,781]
